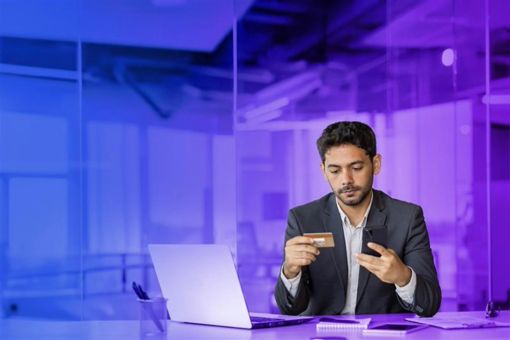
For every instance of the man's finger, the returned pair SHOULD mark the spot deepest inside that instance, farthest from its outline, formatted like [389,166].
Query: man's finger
[308,248]
[367,258]
[305,255]
[299,240]
[369,266]
[377,247]
[392,252]
[304,262]
[301,259]
[302,248]
[299,254]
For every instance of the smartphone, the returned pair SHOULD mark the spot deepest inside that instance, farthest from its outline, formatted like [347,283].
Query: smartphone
[392,329]
[376,235]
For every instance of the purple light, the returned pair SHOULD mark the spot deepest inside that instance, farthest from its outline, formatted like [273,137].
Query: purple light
[448,57]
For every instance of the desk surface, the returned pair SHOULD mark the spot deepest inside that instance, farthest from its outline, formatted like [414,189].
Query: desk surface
[128,329]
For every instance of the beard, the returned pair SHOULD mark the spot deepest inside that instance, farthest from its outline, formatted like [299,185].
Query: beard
[353,195]
[358,196]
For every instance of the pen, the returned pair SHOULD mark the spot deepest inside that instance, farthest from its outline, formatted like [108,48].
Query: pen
[137,291]
[142,295]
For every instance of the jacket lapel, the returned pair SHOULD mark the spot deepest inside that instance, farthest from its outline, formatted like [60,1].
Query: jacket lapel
[333,223]
[376,219]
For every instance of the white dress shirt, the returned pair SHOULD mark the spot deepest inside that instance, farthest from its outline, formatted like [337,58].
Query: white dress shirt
[353,241]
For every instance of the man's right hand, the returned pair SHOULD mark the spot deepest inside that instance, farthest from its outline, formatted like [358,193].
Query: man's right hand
[299,251]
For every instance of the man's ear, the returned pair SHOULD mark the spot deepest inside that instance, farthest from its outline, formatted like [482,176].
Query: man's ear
[377,162]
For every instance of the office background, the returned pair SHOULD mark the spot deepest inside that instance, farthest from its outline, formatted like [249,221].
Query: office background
[129,122]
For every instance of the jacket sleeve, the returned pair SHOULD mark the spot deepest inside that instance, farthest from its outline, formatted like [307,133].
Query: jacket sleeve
[418,255]
[286,303]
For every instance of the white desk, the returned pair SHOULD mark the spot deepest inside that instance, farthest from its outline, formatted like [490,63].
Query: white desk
[128,329]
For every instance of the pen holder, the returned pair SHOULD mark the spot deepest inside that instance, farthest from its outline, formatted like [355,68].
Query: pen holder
[153,318]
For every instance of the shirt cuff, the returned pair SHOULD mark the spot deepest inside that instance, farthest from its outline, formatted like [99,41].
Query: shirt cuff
[291,284]
[406,292]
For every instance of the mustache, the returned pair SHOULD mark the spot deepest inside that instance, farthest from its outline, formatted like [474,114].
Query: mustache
[348,188]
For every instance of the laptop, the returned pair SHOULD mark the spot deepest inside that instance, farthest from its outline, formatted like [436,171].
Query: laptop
[201,284]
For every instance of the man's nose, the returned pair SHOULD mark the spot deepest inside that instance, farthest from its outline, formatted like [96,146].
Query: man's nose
[346,177]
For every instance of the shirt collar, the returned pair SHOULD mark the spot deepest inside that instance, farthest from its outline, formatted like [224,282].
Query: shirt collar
[345,219]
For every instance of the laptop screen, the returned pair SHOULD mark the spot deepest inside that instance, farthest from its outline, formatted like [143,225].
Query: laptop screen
[201,284]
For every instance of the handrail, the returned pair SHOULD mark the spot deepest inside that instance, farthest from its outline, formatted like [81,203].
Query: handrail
[123,266]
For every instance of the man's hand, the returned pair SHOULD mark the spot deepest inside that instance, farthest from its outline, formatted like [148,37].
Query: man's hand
[388,268]
[299,251]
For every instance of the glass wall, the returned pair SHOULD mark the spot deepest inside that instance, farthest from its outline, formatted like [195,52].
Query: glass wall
[115,132]
[40,162]
[496,104]
[413,70]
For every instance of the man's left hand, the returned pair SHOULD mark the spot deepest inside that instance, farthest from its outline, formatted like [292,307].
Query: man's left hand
[388,268]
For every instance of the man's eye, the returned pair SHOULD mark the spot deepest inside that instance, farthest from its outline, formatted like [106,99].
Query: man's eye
[333,171]
[357,168]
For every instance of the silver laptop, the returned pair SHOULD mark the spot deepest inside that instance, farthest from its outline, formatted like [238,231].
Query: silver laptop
[201,284]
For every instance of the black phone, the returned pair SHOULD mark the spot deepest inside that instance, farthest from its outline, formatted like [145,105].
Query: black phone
[376,235]
[393,329]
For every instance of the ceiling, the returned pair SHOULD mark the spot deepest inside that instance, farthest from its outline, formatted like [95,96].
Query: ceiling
[297,59]
[190,25]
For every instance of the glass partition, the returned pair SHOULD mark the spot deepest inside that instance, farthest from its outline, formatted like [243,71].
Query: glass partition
[496,103]
[40,162]
[413,70]
[116,132]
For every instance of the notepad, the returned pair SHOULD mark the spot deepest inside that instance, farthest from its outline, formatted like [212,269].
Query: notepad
[332,323]
[458,322]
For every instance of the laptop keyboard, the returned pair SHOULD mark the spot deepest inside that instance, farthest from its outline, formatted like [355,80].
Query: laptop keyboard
[262,319]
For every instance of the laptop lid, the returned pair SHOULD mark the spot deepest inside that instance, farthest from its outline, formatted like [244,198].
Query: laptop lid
[201,284]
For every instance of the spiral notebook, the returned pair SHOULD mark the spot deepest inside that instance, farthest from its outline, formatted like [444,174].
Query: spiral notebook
[332,323]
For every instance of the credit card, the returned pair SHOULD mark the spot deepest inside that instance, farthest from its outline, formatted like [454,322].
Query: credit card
[321,240]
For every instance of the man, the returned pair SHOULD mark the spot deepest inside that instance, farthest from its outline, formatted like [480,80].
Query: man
[344,279]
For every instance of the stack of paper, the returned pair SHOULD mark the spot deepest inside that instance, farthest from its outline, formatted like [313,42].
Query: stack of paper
[446,321]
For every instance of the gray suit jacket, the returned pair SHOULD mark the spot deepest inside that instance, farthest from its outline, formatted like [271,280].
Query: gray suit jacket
[323,284]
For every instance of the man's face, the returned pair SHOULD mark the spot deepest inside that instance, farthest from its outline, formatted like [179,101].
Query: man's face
[350,173]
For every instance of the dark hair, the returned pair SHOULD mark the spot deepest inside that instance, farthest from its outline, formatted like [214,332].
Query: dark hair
[340,133]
